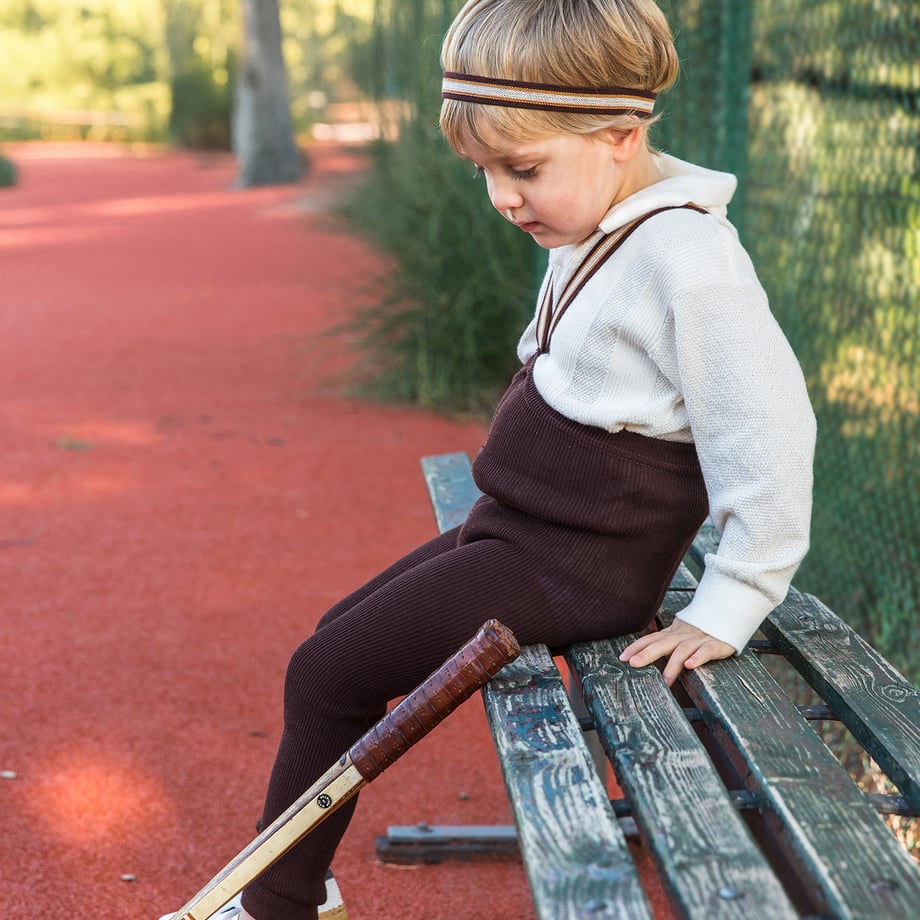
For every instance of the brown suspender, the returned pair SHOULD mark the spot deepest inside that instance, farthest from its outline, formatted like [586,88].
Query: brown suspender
[550,314]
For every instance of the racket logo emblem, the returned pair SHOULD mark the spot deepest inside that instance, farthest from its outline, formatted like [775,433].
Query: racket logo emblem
[324,800]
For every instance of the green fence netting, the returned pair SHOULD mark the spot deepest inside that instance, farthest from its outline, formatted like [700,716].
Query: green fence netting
[815,104]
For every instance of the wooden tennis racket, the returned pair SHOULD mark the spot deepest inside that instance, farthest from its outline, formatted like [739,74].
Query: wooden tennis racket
[456,680]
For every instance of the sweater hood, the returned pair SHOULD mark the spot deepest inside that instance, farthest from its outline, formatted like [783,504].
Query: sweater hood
[682,183]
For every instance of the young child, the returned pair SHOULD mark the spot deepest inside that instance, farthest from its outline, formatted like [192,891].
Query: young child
[655,386]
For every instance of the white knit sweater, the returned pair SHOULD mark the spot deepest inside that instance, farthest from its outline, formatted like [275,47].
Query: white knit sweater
[673,338]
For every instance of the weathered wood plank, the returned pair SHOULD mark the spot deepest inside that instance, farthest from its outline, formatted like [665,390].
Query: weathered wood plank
[871,697]
[827,828]
[683,580]
[450,487]
[575,855]
[705,854]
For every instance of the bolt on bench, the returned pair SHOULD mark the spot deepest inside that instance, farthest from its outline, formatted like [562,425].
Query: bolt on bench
[741,805]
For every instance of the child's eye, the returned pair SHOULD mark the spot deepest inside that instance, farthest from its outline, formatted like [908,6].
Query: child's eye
[524,173]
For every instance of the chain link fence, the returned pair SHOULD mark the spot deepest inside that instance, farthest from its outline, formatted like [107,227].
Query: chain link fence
[816,105]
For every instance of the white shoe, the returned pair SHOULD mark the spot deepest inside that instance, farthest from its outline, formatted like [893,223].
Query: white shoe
[333,909]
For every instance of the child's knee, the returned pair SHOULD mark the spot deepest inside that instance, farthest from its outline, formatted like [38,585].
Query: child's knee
[323,680]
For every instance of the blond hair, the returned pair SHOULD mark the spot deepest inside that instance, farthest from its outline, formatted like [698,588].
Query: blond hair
[577,43]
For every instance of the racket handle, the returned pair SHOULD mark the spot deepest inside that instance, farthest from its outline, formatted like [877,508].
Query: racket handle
[456,680]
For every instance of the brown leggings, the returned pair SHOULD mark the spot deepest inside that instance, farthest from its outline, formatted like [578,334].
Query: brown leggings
[375,645]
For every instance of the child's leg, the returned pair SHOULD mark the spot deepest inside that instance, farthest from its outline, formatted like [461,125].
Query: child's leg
[443,543]
[383,643]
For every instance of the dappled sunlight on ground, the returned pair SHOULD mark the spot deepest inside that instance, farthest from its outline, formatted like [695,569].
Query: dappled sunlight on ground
[83,797]
[27,238]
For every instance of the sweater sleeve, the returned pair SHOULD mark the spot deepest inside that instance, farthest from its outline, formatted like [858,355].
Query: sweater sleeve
[754,429]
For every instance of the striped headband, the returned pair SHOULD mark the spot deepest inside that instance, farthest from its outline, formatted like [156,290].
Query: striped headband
[514,94]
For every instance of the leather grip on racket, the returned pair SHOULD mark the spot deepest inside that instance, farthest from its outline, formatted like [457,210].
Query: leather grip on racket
[471,668]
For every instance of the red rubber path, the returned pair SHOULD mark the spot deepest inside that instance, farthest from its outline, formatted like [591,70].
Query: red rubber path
[182,495]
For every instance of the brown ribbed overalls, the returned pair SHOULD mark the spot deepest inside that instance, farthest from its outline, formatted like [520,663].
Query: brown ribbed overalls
[576,538]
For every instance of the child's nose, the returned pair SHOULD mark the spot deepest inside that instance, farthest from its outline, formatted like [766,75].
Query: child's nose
[503,195]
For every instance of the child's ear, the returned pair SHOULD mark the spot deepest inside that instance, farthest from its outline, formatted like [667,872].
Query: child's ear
[624,144]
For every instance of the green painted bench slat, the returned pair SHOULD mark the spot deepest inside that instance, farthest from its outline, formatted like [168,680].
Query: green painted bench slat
[872,699]
[827,829]
[575,855]
[699,841]
[450,487]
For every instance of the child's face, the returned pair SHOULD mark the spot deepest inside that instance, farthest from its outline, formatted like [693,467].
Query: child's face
[558,188]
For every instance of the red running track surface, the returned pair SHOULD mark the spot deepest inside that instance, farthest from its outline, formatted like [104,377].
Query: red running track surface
[183,493]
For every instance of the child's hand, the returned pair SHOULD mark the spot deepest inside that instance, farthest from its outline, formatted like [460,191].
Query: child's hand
[687,646]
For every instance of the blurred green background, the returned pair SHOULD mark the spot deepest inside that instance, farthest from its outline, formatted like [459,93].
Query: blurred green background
[815,104]
[158,70]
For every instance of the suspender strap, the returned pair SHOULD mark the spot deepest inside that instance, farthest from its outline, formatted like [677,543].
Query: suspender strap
[550,314]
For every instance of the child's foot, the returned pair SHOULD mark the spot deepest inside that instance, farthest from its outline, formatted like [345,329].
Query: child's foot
[334,908]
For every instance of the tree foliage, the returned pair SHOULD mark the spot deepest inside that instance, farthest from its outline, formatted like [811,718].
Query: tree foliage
[91,56]
[201,39]
[152,69]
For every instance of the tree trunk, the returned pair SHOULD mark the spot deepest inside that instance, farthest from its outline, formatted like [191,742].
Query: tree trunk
[263,137]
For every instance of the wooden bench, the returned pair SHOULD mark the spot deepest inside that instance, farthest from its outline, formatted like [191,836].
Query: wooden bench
[742,806]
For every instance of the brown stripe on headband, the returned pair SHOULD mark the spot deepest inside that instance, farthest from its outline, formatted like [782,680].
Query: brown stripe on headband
[517,94]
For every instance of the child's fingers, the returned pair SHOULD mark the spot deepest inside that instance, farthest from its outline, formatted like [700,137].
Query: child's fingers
[658,646]
[710,650]
[682,656]
[655,645]
[685,646]
[638,646]
[693,654]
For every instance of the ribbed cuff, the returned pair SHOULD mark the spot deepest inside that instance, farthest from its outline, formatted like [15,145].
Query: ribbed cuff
[727,609]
